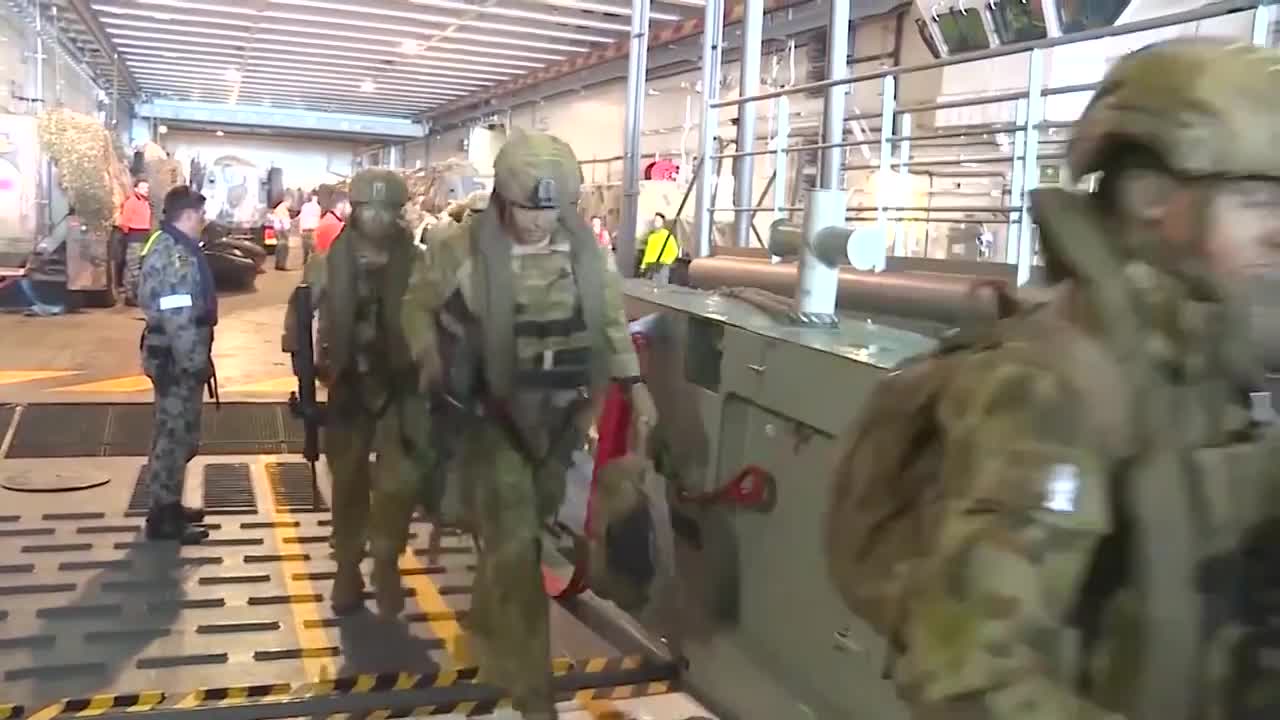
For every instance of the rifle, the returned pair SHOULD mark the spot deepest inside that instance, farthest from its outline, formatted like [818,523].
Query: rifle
[302,403]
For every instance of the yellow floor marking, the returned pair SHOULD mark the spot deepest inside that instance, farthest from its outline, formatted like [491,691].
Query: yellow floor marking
[8,377]
[128,384]
[317,669]
[442,618]
[273,385]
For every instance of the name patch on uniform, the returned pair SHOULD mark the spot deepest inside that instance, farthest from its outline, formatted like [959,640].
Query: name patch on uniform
[1061,488]
[172,302]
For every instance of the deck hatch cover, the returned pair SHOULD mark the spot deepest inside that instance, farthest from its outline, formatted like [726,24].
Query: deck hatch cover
[228,489]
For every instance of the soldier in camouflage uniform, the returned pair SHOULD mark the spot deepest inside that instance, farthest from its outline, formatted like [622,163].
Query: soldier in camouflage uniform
[1106,466]
[178,297]
[373,404]
[516,317]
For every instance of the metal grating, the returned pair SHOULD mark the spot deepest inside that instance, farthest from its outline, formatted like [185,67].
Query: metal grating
[242,428]
[60,430]
[140,499]
[6,415]
[228,489]
[129,432]
[293,432]
[124,430]
[292,488]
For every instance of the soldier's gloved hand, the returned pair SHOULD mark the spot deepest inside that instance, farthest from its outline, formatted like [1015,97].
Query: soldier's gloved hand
[644,415]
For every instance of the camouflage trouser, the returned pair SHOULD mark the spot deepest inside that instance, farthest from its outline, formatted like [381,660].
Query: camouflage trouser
[308,245]
[176,434]
[509,620]
[374,485]
[132,269]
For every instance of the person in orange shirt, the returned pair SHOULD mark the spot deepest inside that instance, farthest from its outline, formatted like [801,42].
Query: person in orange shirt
[332,222]
[134,226]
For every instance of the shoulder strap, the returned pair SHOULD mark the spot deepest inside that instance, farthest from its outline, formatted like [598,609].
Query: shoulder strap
[147,247]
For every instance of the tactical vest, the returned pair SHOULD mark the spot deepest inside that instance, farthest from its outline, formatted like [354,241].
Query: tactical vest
[503,327]
[341,305]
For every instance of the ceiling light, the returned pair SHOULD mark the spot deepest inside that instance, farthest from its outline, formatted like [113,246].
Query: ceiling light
[197,34]
[340,7]
[232,75]
[410,46]
[572,20]
[254,75]
[367,86]
[142,57]
[348,22]
[162,129]
[471,69]
[606,9]
[219,133]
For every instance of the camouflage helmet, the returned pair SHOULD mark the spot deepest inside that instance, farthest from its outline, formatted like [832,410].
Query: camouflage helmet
[382,188]
[537,170]
[1203,106]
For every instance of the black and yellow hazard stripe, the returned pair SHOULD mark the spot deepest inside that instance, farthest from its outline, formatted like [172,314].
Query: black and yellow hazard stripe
[465,709]
[99,705]
[235,694]
[11,712]
[624,692]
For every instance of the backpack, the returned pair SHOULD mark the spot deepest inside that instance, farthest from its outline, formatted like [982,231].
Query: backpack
[887,486]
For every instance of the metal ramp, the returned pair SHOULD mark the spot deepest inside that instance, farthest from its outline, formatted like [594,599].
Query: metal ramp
[96,621]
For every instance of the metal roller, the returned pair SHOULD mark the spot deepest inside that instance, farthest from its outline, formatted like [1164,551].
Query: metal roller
[947,299]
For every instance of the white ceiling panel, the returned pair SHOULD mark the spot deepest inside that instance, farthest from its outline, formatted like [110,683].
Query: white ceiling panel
[397,58]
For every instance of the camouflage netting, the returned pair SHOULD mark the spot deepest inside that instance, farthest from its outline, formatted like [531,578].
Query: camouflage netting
[162,172]
[92,174]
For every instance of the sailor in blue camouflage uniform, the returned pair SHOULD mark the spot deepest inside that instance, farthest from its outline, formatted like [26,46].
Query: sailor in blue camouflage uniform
[178,297]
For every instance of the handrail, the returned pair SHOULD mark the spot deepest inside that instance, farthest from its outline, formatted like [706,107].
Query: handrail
[1212,10]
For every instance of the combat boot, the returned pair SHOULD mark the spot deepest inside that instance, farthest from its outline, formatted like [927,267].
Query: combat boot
[348,589]
[168,522]
[387,590]
[193,516]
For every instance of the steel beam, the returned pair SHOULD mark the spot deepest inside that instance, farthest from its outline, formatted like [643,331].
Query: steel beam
[795,21]
[84,13]
[220,114]
[749,84]
[664,35]
[712,49]
[636,72]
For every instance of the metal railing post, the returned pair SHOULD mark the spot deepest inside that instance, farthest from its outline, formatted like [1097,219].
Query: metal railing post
[636,67]
[1030,167]
[744,167]
[712,45]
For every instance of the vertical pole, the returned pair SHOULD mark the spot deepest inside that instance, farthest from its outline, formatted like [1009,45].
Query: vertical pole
[832,163]
[636,68]
[744,167]
[1016,198]
[712,43]
[888,110]
[115,93]
[904,189]
[39,95]
[1262,18]
[1030,168]
[819,278]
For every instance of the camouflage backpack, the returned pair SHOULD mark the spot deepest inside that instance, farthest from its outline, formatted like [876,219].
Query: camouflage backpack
[887,487]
